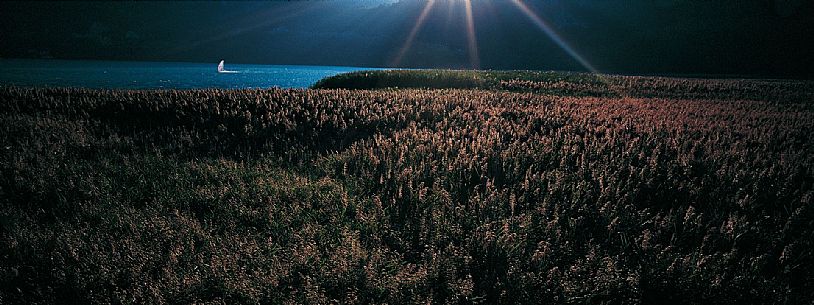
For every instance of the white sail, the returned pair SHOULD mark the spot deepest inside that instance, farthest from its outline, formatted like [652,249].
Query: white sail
[221,69]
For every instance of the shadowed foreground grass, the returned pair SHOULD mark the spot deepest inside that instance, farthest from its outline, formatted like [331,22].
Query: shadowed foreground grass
[406,196]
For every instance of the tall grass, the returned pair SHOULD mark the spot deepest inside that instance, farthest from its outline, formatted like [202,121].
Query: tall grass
[578,84]
[406,196]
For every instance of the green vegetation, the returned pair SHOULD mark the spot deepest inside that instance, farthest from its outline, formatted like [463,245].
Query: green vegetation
[577,84]
[445,79]
[409,195]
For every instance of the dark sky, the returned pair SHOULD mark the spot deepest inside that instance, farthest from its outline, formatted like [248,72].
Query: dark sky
[744,37]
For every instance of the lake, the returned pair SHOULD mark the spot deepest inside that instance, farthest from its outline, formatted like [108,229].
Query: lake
[159,75]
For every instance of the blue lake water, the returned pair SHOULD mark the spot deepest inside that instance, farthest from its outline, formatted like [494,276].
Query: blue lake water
[159,75]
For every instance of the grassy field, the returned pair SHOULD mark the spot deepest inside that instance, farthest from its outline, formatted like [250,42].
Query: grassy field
[578,84]
[525,187]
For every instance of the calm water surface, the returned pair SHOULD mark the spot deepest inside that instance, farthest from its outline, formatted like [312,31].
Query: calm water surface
[158,75]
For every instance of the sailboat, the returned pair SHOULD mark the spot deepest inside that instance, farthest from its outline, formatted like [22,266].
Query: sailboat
[222,70]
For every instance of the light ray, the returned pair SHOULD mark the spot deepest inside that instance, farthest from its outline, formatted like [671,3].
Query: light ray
[546,28]
[417,27]
[474,58]
[260,19]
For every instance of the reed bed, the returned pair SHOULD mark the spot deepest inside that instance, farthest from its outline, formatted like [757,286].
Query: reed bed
[409,195]
[579,84]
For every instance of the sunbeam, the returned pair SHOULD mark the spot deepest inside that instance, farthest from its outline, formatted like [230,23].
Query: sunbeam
[418,24]
[543,25]
[261,18]
[474,58]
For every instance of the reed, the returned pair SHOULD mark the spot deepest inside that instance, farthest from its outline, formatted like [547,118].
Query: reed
[408,195]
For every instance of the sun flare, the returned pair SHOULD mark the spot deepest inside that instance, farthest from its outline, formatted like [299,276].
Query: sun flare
[553,35]
[471,32]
